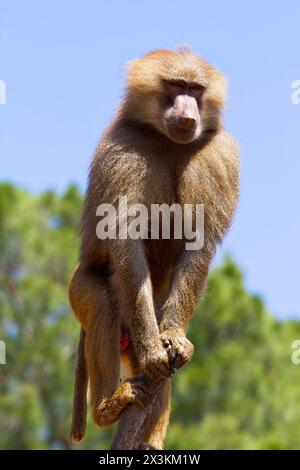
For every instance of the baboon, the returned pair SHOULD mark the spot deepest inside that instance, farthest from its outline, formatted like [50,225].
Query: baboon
[134,297]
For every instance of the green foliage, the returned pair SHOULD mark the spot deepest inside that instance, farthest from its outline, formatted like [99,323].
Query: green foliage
[240,391]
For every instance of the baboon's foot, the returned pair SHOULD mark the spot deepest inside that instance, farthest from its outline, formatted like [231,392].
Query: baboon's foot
[133,390]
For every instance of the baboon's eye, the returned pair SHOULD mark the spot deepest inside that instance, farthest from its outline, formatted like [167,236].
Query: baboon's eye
[178,83]
[196,86]
[197,89]
[175,85]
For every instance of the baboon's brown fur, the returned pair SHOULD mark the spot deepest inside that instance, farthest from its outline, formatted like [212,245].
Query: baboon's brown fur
[151,287]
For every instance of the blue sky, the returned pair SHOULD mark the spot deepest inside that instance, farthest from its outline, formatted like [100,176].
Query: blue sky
[63,65]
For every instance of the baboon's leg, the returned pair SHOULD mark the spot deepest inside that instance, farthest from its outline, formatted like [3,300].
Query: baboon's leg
[103,359]
[156,426]
[95,306]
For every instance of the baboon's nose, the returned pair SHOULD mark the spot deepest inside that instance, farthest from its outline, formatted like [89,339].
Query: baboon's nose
[186,123]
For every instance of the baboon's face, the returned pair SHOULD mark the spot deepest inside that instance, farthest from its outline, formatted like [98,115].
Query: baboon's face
[180,105]
[177,93]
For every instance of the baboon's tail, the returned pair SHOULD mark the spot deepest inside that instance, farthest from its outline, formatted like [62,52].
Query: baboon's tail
[80,393]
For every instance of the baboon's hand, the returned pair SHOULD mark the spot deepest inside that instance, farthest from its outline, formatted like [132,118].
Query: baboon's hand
[178,347]
[154,359]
